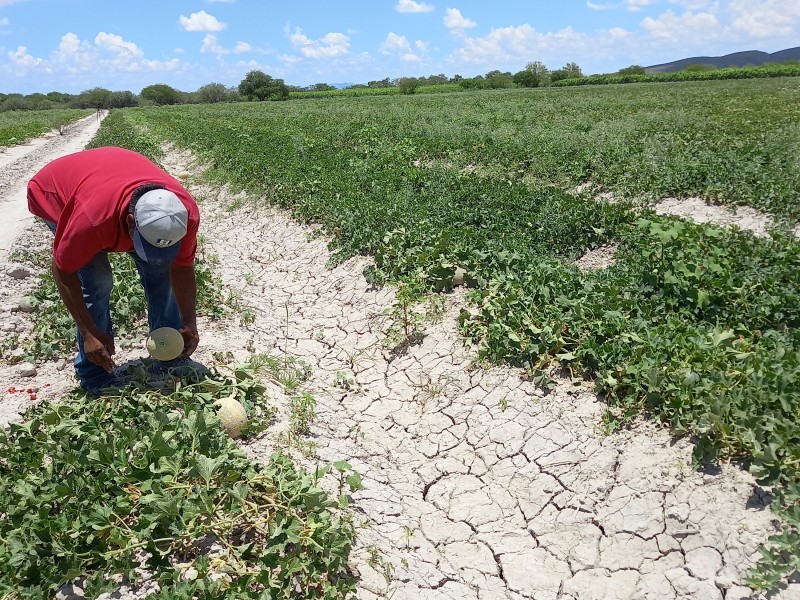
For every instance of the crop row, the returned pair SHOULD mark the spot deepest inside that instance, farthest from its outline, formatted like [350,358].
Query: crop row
[17,127]
[92,489]
[695,325]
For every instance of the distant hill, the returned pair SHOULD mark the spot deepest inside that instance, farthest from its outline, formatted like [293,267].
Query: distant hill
[737,59]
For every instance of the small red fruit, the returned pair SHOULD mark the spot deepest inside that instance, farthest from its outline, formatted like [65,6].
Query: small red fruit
[32,397]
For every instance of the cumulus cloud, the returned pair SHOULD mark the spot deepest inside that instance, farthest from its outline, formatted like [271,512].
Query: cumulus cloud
[510,48]
[21,58]
[637,5]
[212,46]
[692,4]
[631,5]
[398,45]
[201,21]
[456,22]
[106,54]
[594,6]
[765,18]
[409,6]
[4,22]
[328,46]
[675,27]
[116,45]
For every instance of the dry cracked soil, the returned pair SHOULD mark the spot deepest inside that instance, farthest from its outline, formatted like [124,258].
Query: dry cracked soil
[478,485]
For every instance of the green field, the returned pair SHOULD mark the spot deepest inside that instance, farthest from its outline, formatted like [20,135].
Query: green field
[17,127]
[693,324]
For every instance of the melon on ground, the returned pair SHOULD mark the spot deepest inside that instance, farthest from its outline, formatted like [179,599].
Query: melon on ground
[165,343]
[232,415]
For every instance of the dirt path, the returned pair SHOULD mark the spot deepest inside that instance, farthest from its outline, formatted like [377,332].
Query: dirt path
[477,485]
[19,163]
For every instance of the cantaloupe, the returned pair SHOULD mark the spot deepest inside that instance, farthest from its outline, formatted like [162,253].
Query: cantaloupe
[458,277]
[232,415]
[165,343]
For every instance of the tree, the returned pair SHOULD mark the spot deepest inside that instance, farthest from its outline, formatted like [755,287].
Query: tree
[382,83]
[499,80]
[321,87]
[536,74]
[123,99]
[568,71]
[212,93]
[632,70]
[408,85]
[160,94]
[94,98]
[259,85]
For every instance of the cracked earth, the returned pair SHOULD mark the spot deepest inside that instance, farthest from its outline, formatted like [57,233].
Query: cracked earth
[478,485]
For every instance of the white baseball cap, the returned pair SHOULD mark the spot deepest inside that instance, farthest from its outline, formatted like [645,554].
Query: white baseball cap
[161,220]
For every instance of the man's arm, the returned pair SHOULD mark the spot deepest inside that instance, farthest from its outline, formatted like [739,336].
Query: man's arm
[184,286]
[97,344]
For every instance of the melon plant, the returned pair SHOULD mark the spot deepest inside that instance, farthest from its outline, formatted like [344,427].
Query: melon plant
[165,343]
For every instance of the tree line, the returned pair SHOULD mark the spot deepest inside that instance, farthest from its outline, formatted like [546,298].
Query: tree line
[259,86]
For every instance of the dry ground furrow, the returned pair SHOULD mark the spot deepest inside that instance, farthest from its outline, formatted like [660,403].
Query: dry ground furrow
[477,484]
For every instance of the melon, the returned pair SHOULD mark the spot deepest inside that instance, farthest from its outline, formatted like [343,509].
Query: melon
[232,415]
[165,343]
[458,277]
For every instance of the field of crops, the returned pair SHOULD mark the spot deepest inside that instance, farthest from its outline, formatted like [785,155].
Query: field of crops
[17,127]
[694,324]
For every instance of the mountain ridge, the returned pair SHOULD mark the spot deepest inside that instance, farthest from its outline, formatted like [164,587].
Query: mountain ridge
[735,59]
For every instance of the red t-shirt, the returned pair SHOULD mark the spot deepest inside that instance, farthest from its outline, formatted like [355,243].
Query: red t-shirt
[87,195]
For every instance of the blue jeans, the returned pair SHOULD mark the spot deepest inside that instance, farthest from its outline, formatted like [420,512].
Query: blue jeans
[97,283]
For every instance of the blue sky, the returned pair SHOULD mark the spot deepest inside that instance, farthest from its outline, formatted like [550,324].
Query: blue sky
[73,45]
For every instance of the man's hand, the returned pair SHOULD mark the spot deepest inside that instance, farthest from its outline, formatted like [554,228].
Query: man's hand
[190,339]
[99,348]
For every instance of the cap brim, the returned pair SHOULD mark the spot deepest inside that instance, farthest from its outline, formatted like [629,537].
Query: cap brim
[152,254]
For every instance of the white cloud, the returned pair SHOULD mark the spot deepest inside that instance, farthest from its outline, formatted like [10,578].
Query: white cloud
[637,5]
[409,6]
[212,46]
[674,27]
[108,54]
[4,21]
[328,46]
[594,6]
[766,18]
[456,22]
[510,48]
[116,45]
[692,4]
[21,58]
[201,21]
[394,44]
[398,45]
[7,2]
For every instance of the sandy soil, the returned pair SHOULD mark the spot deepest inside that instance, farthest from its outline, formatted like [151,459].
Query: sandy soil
[477,484]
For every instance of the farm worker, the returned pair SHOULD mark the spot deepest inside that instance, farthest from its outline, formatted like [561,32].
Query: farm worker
[115,200]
